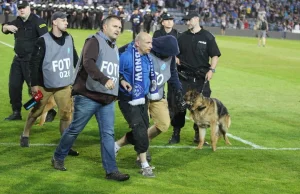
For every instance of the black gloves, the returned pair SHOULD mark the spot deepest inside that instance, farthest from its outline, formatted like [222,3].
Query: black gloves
[181,105]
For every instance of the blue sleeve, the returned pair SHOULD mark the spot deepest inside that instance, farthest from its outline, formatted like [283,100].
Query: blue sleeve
[174,80]
[125,69]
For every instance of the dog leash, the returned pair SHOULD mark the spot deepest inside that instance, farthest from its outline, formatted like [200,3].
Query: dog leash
[203,85]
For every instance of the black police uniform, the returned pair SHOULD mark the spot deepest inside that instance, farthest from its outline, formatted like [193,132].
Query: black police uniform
[147,22]
[136,20]
[122,13]
[99,16]
[25,38]
[195,51]
[172,94]
[6,11]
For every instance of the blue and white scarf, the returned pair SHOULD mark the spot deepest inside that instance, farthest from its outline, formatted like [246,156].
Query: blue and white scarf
[138,91]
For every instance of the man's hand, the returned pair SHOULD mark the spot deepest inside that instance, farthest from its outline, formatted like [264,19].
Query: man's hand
[34,90]
[110,84]
[177,60]
[126,85]
[11,28]
[209,75]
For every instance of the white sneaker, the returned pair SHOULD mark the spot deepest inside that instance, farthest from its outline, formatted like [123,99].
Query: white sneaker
[147,172]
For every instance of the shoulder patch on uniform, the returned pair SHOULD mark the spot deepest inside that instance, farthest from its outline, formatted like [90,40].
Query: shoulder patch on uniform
[42,25]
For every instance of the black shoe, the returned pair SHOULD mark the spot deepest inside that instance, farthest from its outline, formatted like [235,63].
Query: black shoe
[50,115]
[174,139]
[24,141]
[117,176]
[175,136]
[58,164]
[15,116]
[73,152]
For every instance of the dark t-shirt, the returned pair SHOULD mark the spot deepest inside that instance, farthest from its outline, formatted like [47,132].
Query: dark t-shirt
[196,49]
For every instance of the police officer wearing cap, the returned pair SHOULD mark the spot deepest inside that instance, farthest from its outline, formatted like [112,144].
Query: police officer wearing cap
[197,46]
[27,27]
[167,27]
[136,20]
[167,24]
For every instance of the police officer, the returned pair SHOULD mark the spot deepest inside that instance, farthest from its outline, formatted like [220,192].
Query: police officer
[167,27]
[49,11]
[197,46]
[167,24]
[99,17]
[148,18]
[51,72]
[136,20]
[122,16]
[7,11]
[26,28]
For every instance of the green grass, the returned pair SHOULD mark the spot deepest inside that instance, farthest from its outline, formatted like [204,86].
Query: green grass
[259,86]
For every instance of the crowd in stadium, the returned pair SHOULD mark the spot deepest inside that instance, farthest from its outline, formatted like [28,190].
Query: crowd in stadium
[282,15]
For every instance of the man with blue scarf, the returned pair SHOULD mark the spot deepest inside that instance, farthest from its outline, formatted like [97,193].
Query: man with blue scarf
[163,59]
[138,84]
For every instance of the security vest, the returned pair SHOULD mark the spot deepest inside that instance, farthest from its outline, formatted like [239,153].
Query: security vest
[108,64]
[58,62]
[162,68]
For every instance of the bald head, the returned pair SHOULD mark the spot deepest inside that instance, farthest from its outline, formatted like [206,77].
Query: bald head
[141,36]
[143,42]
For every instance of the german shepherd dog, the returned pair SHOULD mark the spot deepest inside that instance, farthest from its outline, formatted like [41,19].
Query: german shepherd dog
[49,107]
[208,112]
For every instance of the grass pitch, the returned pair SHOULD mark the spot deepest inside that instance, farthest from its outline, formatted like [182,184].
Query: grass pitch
[260,87]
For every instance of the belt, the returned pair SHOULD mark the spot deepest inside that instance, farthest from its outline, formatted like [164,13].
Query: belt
[189,76]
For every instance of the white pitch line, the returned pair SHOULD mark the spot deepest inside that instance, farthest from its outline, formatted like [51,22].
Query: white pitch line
[240,139]
[165,147]
[244,141]
[11,46]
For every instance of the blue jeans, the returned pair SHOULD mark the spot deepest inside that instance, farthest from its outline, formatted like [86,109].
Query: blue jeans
[84,109]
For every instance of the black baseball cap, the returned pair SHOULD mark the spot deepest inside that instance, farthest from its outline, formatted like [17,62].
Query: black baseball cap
[58,14]
[22,4]
[190,15]
[167,17]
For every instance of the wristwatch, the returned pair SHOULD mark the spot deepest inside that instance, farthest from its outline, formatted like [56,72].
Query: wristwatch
[213,70]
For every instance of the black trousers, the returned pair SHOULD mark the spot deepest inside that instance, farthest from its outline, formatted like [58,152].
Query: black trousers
[178,120]
[138,120]
[19,72]
[135,31]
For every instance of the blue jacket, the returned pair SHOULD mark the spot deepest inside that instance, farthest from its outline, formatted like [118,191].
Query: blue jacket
[126,69]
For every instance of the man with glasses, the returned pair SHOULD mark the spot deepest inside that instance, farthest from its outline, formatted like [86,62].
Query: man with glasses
[197,46]
[27,28]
